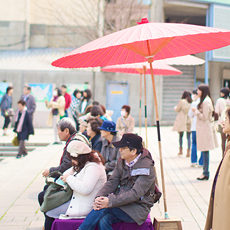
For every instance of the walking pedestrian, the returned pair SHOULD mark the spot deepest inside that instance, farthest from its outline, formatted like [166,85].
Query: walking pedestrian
[219,208]
[23,127]
[6,103]
[196,101]
[30,101]
[67,99]
[183,122]
[205,130]
[74,107]
[221,104]
[125,123]
[57,104]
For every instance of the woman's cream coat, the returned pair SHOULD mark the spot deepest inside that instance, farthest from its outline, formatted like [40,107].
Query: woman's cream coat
[182,122]
[60,105]
[206,138]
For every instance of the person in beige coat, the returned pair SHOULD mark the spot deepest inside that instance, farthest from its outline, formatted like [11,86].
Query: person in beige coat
[57,104]
[221,104]
[183,122]
[219,208]
[205,130]
[125,123]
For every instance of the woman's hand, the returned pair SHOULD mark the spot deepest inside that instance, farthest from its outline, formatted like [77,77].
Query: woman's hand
[193,109]
[64,177]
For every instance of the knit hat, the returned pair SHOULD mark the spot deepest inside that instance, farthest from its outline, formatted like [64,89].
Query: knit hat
[76,148]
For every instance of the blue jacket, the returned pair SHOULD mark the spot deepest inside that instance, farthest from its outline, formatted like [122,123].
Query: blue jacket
[97,142]
[6,103]
[27,127]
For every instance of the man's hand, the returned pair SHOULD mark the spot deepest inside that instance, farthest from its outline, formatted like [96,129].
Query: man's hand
[101,202]
[46,172]
[64,177]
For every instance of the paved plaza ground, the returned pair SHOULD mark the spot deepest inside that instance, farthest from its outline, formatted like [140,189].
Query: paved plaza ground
[21,181]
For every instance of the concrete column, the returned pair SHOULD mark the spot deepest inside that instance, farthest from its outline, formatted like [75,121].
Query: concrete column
[157,11]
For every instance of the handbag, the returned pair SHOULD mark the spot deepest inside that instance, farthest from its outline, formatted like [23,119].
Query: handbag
[15,141]
[56,194]
[9,112]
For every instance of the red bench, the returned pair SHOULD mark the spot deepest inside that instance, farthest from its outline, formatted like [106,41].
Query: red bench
[73,224]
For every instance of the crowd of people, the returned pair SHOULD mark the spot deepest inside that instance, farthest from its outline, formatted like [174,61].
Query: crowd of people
[198,115]
[105,164]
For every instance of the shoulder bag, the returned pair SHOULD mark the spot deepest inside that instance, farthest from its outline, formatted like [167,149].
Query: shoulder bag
[56,194]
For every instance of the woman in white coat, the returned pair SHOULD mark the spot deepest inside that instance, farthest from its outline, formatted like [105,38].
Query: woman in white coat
[86,178]
[206,135]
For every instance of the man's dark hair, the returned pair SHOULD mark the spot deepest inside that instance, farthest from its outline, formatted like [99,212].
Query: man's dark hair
[22,102]
[127,108]
[138,150]
[8,89]
[67,123]
[28,88]
[64,86]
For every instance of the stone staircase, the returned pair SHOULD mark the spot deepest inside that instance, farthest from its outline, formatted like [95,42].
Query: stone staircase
[173,87]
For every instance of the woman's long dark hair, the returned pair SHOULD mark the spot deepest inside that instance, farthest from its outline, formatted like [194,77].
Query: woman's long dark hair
[93,156]
[225,91]
[89,94]
[187,95]
[205,92]
[58,92]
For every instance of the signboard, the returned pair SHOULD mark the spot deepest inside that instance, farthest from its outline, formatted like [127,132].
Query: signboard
[214,1]
[41,92]
[3,87]
[72,87]
[221,19]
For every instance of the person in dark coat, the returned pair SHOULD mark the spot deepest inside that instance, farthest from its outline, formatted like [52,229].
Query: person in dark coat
[94,133]
[30,100]
[134,175]
[6,103]
[23,127]
[66,132]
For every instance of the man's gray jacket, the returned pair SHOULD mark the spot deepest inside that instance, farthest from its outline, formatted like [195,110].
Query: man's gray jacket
[30,104]
[132,191]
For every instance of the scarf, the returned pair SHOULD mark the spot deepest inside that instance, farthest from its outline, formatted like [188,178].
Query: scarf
[54,99]
[21,120]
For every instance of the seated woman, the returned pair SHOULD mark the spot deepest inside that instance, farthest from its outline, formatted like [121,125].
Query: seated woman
[94,133]
[125,123]
[86,178]
[97,111]
[109,152]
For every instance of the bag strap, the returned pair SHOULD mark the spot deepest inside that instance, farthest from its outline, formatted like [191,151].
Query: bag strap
[124,123]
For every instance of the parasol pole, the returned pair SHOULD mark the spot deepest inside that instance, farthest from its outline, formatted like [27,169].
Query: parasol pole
[140,105]
[150,60]
[144,69]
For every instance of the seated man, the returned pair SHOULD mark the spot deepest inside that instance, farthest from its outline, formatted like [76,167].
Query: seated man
[66,132]
[128,194]
[110,153]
